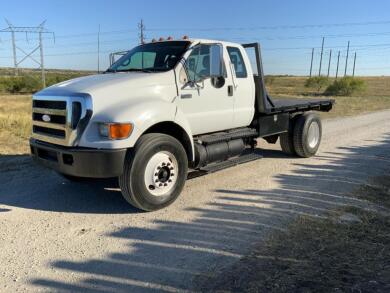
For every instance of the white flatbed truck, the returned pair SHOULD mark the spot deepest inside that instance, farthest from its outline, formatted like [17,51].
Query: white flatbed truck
[167,111]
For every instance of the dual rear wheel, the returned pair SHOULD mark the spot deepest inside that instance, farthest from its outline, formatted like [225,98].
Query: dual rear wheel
[304,136]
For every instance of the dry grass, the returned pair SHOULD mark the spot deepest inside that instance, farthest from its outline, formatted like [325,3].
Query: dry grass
[375,98]
[15,123]
[317,255]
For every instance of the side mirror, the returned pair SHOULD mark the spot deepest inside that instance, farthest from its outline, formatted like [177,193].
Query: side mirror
[216,61]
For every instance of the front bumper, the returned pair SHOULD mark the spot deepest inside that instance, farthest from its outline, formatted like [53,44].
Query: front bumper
[77,161]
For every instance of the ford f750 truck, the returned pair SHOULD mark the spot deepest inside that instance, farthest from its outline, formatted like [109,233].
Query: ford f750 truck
[166,111]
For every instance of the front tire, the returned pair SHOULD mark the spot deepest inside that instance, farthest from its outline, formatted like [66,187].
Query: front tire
[307,135]
[154,172]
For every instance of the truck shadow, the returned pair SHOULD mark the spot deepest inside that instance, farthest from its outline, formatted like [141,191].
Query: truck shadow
[177,255]
[26,185]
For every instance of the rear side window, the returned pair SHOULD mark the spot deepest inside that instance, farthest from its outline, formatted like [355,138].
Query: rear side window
[238,62]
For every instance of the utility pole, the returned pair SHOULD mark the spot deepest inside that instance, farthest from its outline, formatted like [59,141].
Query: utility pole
[98,51]
[141,28]
[330,58]
[11,28]
[322,52]
[338,62]
[311,63]
[354,63]
[42,64]
[39,30]
[346,61]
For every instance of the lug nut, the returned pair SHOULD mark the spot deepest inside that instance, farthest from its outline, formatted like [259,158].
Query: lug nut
[160,184]
[171,168]
[169,180]
[163,164]
[165,184]
[157,181]
[158,168]
[168,164]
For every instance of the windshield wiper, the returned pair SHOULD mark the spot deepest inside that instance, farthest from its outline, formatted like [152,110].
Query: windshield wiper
[135,70]
[110,70]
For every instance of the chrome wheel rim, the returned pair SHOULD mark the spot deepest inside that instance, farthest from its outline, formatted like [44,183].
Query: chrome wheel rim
[313,134]
[161,173]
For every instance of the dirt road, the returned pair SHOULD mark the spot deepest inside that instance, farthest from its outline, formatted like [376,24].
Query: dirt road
[67,237]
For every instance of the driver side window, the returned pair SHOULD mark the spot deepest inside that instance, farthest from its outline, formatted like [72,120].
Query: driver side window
[199,63]
[204,61]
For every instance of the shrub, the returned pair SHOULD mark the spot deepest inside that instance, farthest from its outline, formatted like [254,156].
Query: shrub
[269,80]
[317,82]
[345,86]
[20,84]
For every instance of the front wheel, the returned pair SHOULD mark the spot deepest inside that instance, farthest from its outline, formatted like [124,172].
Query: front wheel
[154,172]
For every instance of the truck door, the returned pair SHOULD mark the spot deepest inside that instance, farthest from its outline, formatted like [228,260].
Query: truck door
[205,90]
[244,88]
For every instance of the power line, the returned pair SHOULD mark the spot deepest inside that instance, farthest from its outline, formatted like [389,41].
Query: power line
[40,30]
[277,26]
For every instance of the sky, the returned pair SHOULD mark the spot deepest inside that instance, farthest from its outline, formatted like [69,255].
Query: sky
[287,30]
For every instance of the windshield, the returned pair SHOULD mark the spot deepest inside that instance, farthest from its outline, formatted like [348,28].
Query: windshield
[152,57]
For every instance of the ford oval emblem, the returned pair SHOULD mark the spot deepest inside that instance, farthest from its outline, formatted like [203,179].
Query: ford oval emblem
[46,118]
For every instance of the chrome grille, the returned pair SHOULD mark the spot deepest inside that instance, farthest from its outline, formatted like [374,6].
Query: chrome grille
[55,119]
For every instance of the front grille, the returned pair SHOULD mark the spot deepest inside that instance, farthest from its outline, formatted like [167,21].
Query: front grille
[56,119]
[58,105]
[49,131]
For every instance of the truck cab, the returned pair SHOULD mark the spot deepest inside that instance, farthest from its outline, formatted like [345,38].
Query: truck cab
[166,110]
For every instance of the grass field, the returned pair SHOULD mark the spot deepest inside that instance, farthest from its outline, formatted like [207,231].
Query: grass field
[15,110]
[375,98]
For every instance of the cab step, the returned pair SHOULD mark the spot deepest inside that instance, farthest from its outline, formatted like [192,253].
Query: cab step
[244,158]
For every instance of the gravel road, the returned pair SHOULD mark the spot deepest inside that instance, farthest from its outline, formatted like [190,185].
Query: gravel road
[68,237]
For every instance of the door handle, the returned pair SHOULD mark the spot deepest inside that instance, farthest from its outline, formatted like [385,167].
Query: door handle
[186,96]
[230,90]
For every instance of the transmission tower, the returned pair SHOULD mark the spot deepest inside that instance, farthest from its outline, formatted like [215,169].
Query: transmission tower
[141,28]
[39,30]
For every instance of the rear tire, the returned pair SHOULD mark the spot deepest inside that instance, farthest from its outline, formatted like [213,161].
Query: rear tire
[154,172]
[287,139]
[307,135]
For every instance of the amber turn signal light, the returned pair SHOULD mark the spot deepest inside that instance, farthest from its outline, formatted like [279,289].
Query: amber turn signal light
[120,131]
[115,130]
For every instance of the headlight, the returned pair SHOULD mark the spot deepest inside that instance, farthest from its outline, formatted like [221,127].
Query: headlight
[115,130]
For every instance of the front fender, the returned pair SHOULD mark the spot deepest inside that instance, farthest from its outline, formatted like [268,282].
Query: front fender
[142,115]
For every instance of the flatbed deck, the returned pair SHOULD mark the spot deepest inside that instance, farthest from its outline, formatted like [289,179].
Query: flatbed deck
[291,105]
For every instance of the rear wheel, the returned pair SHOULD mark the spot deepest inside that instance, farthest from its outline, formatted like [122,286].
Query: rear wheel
[287,140]
[155,172]
[307,135]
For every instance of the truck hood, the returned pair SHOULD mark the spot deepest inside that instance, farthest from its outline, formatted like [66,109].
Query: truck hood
[110,83]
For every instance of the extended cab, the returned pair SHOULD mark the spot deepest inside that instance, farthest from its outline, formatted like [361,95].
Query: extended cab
[166,111]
